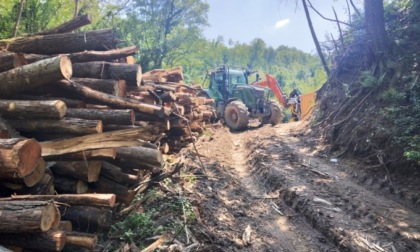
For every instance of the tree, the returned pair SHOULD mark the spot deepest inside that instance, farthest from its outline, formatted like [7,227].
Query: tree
[375,27]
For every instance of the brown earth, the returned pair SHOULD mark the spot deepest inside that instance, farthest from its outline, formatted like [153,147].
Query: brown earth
[279,185]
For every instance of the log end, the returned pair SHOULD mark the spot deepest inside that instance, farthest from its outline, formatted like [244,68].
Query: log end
[81,187]
[94,168]
[61,108]
[60,239]
[139,76]
[66,67]
[36,176]
[29,154]
[48,217]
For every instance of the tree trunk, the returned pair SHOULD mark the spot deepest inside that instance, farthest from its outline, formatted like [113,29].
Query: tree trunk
[118,138]
[27,216]
[81,240]
[314,37]
[112,116]
[19,15]
[35,177]
[33,75]
[98,154]
[99,200]
[64,126]
[164,75]
[70,103]
[141,155]
[86,218]
[69,26]
[65,226]
[112,87]
[84,170]
[104,185]
[53,240]
[18,157]
[131,73]
[76,8]
[375,28]
[100,40]
[115,173]
[64,184]
[109,55]
[114,101]
[10,60]
[32,109]
[44,187]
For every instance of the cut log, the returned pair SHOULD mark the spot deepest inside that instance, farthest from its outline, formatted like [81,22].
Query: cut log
[64,184]
[100,40]
[70,103]
[32,109]
[84,170]
[27,216]
[141,155]
[115,101]
[10,60]
[104,185]
[106,200]
[36,176]
[112,87]
[109,55]
[73,126]
[81,240]
[119,138]
[65,226]
[86,218]
[112,116]
[164,75]
[131,73]
[69,26]
[53,240]
[7,131]
[18,157]
[98,154]
[115,173]
[33,75]
[44,187]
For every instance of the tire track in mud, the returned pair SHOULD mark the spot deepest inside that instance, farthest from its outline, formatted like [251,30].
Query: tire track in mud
[354,218]
[238,199]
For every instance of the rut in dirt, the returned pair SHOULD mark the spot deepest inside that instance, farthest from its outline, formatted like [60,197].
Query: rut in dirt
[292,199]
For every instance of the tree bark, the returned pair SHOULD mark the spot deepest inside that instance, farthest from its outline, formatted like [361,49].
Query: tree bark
[100,40]
[131,73]
[118,138]
[141,155]
[109,55]
[99,200]
[27,216]
[314,37]
[164,75]
[84,170]
[70,103]
[112,87]
[10,60]
[69,26]
[64,126]
[86,218]
[104,185]
[55,109]
[33,75]
[18,157]
[53,240]
[115,173]
[114,101]
[375,27]
[19,15]
[64,184]
[112,116]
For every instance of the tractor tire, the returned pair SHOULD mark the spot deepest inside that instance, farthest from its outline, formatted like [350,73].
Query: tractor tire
[236,115]
[275,114]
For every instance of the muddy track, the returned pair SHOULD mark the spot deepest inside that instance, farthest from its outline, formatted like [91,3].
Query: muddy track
[292,199]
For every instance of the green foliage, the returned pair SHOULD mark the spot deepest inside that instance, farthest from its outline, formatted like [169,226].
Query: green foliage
[135,227]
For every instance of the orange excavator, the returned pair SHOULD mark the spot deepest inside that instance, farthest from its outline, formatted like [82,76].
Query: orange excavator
[300,104]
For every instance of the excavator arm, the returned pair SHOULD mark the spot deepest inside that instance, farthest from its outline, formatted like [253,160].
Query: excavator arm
[271,83]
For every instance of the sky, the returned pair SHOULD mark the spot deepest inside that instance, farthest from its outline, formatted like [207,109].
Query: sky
[274,21]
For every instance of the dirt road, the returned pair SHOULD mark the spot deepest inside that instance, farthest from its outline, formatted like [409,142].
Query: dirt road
[269,189]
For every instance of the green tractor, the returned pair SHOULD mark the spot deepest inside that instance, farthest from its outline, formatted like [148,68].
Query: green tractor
[236,100]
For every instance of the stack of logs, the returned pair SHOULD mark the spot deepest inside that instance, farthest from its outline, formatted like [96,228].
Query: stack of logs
[82,131]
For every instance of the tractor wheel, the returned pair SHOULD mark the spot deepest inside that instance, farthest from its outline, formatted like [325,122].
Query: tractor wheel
[236,115]
[275,114]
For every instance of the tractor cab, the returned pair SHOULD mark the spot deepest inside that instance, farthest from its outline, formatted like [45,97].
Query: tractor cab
[224,80]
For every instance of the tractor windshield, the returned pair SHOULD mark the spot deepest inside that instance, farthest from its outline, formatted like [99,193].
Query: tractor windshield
[237,77]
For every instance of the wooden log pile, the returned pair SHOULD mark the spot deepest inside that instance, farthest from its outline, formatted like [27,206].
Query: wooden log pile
[80,128]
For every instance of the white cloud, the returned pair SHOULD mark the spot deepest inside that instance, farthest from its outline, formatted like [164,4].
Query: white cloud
[281,23]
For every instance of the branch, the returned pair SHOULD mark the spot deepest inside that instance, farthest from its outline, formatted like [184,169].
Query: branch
[329,19]
[355,9]
[339,27]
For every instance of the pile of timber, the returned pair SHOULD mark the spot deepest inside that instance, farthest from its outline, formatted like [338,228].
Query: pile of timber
[81,132]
